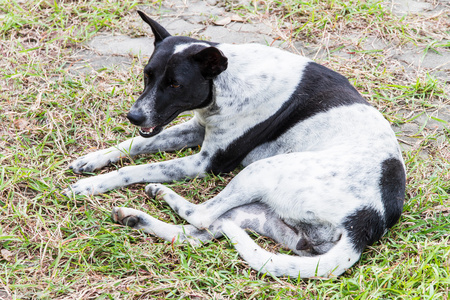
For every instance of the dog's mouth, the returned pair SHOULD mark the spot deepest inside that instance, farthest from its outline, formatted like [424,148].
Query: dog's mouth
[150,131]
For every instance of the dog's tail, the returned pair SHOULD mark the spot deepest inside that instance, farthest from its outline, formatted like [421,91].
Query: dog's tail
[332,263]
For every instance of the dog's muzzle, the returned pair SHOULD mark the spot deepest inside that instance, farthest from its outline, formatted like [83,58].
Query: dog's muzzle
[137,118]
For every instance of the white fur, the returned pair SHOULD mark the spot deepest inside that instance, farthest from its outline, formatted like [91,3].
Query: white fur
[182,47]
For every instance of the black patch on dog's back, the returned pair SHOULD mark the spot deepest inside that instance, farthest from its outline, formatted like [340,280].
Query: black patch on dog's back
[392,186]
[319,90]
[365,226]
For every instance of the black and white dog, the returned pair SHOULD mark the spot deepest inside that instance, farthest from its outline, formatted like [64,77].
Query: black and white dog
[324,173]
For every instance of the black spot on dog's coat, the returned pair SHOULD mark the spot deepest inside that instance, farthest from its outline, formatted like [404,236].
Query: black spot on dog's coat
[365,226]
[252,224]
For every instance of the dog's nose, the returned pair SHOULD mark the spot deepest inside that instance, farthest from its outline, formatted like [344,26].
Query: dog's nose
[136,117]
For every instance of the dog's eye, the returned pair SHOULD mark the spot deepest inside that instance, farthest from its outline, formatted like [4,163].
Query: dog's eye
[146,76]
[175,85]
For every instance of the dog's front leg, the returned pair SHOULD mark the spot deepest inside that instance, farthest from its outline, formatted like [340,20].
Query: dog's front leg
[188,134]
[167,171]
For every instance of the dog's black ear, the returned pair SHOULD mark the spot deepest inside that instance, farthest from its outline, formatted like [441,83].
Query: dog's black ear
[158,31]
[212,62]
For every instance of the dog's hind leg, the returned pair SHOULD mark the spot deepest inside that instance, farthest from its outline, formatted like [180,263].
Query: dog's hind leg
[200,215]
[255,216]
[188,134]
[244,189]
[260,218]
[169,232]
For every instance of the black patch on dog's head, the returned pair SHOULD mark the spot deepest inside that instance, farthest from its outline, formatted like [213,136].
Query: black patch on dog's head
[177,78]
[212,62]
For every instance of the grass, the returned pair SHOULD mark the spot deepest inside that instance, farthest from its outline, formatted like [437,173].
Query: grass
[53,247]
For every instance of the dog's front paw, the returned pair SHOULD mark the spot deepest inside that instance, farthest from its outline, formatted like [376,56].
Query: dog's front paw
[82,187]
[93,186]
[95,160]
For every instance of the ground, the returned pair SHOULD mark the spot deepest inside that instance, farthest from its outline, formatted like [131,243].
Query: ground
[70,70]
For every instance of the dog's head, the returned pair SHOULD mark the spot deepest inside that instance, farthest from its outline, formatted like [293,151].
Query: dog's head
[178,78]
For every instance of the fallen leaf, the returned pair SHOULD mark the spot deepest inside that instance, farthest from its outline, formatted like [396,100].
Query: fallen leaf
[223,22]
[7,255]
[21,124]
[237,18]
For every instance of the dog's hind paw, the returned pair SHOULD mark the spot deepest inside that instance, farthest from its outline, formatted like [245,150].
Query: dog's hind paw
[155,189]
[127,216]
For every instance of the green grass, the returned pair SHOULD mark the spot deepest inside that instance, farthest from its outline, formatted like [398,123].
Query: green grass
[54,247]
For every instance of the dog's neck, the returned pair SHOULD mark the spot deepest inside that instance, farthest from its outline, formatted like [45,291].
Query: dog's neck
[241,91]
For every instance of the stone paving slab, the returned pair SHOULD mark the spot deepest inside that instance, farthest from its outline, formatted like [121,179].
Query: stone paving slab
[86,61]
[405,7]
[415,56]
[122,45]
